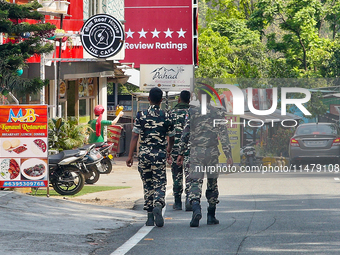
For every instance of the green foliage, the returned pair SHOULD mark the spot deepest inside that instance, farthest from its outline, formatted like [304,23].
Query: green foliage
[277,145]
[315,106]
[66,134]
[300,36]
[214,51]
[235,30]
[123,89]
[85,190]
[271,39]
[14,55]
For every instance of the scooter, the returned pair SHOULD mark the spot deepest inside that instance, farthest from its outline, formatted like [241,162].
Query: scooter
[248,154]
[65,176]
[91,165]
[105,148]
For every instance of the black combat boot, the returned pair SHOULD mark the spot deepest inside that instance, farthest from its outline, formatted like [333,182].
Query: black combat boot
[150,221]
[188,206]
[178,203]
[211,220]
[157,212]
[196,214]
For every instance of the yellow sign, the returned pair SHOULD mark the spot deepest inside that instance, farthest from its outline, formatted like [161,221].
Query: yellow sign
[235,140]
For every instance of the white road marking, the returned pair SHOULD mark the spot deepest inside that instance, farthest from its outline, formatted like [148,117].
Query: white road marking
[336,179]
[135,239]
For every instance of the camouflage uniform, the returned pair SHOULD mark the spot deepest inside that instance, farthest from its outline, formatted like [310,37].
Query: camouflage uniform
[203,138]
[178,117]
[153,125]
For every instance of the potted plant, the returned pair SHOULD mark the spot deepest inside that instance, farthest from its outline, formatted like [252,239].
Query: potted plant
[48,5]
[54,6]
[66,134]
[62,6]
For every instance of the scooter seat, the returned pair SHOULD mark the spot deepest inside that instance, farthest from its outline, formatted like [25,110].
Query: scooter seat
[56,158]
[100,144]
[86,146]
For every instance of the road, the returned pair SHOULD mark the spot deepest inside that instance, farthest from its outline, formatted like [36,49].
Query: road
[290,213]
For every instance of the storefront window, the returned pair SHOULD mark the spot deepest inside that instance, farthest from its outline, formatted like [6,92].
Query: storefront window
[34,98]
[82,107]
[63,109]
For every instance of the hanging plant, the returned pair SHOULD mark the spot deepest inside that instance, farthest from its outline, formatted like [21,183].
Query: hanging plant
[25,34]
[70,42]
[20,71]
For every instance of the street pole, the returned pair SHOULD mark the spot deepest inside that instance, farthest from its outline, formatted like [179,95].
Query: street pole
[42,77]
[58,113]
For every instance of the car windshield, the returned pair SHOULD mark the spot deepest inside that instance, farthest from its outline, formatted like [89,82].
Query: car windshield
[316,130]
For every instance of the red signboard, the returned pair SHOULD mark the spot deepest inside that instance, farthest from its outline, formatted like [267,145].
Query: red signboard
[23,146]
[23,121]
[159,32]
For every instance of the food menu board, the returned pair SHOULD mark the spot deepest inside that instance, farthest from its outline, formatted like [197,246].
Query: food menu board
[86,87]
[62,89]
[23,146]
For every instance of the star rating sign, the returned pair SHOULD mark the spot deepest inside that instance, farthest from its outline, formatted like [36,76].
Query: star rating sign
[142,33]
[129,33]
[155,33]
[181,33]
[168,33]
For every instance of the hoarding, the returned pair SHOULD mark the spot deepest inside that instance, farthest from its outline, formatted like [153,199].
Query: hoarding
[166,77]
[160,32]
[23,146]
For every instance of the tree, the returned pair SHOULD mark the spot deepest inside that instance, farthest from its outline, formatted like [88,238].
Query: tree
[227,48]
[213,56]
[303,40]
[25,40]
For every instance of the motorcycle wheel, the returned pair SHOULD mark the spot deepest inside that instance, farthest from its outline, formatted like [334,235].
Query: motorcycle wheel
[107,165]
[69,187]
[94,175]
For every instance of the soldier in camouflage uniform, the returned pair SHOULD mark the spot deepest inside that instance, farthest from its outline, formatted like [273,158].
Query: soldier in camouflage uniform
[152,125]
[202,136]
[178,114]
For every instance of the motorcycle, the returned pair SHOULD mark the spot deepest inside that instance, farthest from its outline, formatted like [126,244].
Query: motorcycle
[248,154]
[104,148]
[64,174]
[91,166]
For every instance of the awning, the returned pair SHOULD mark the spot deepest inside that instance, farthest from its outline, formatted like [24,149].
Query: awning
[332,95]
[274,117]
[146,94]
[72,70]
[134,78]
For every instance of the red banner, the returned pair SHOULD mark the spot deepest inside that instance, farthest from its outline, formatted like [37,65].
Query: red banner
[159,32]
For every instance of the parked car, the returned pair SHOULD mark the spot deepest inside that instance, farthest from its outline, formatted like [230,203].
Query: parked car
[315,143]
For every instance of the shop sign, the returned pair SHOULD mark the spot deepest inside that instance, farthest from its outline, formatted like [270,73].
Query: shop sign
[166,77]
[23,146]
[160,32]
[102,36]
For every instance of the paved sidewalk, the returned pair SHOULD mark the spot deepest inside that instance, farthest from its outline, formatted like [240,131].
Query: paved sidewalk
[120,176]
[76,221]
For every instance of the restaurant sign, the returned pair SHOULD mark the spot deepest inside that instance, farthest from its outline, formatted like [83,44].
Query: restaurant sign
[166,77]
[23,146]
